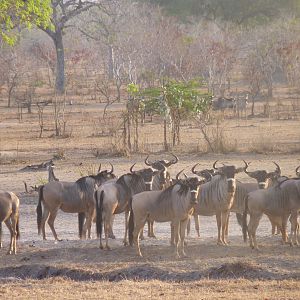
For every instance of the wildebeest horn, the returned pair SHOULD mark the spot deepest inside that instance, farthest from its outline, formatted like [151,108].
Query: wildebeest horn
[131,168]
[193,168]
[99,168]
[214,165]
[297,171]
[172,162]
[177,176]
[147,161]
[112,168]
[278,170]
[246,167]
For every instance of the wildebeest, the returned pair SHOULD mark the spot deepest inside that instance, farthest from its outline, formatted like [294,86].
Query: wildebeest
[9,214]
[70,197]
[51,175]
[216,197]
[282,200]
[112,198]
[160,165]
[174,204]
[221,103]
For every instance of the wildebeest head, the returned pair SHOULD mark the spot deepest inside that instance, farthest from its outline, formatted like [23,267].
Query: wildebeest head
[163,162]
[206,173]
[104,175]
[298,171]
[148,175]
[229,172]
[190,184]
[262,176]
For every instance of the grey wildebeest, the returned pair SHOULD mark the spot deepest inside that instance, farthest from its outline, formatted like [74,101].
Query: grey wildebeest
[160,165]
[70,197]
[281,200]
[175,204]
[216,197]
[9,214]
[264,180]
[112,198]
[221,103]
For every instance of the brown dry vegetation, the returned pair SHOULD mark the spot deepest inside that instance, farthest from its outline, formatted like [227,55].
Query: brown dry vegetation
[78,269]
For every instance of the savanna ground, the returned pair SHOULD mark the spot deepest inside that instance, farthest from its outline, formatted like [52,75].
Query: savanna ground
[79,269]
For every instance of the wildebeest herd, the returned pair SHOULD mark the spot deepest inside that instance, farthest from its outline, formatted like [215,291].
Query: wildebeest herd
[151,195]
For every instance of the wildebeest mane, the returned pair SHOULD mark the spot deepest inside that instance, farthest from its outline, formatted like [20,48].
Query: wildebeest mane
[135,185]
[166,194]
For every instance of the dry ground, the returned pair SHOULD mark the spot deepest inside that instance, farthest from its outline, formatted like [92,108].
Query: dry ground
[79,269]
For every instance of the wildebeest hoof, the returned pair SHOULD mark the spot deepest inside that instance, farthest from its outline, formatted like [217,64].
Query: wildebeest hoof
[101,247]
[112,236]
[9,252]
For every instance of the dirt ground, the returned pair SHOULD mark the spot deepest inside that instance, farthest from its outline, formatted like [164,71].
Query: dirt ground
[79,269]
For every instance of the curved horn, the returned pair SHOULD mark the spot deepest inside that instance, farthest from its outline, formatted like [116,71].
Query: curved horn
[278,170]
[193,168]
[246,167]
[147,161]
[172,162]
[112,168]
[131,168]
[214,165]
[99,169]
[297,171]
[177,176]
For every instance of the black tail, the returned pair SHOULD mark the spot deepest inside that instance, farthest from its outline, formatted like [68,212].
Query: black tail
[99,211]
[39,209]
[130,223]
[81,219]
[18,228]
[0,233]
[239,218]
[244,221]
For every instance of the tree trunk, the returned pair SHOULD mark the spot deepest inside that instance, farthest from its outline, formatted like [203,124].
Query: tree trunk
[60,62]
[110,62]
[165,136]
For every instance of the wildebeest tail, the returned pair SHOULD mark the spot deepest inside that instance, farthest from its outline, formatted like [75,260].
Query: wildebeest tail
[18,228]
[99,211]
[39,209]
[244,221]
[130,223]
[0,233]
[81,218]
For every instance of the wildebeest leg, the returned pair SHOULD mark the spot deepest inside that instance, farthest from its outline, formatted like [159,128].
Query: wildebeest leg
[197,224]
[284,220]
[183,225]
[293,240]
[172,240]
[188,227]
[224,220]
[219,220]
[88,223]
[45,217]
[51,224]
[111,233]
[126,227]
[10,228]
[253,224]
[151,230]
[1,235]
[226,228]
[138,227]
[176,237]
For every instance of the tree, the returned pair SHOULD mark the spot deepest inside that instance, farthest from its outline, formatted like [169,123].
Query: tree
[63,13]
[175,101]
[19,12]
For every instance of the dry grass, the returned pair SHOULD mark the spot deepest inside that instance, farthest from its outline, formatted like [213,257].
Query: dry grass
[60,288]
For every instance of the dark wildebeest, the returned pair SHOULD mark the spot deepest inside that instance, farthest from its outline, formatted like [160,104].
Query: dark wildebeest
[70,197]
[221,103]
[175,204]
[9,214]
[112,198]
